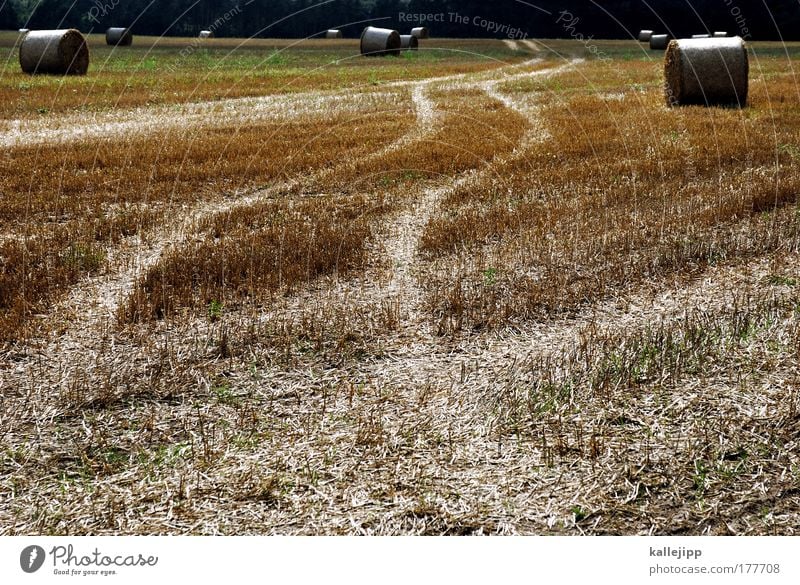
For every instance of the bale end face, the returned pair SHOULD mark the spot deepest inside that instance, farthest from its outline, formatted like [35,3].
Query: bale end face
[119,37]
[659,42]
[709,72]
[421,32]
[380,42]
[56,52]
[409,43]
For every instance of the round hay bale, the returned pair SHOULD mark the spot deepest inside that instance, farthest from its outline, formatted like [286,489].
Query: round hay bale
[206,34]
[380,42]
[644,36]
[333,34]
[707,72]
[409,42]
[704,36]
[421,32]
[720,34]
[119,37]
[60,52]
[659,42]
[24,31]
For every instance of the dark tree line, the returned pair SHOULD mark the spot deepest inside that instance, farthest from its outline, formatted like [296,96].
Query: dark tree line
[447,18]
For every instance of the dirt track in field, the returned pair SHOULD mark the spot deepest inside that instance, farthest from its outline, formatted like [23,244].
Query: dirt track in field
[100,297]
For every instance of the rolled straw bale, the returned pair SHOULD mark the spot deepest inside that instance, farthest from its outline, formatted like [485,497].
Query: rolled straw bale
[24,31]
[62,52]
[644,36]
[333,34]
[720,34]
[409,42]
[701,36]
[206,34]
[659,42]
[120,37]
[421,32]
[707,72]
[380,42]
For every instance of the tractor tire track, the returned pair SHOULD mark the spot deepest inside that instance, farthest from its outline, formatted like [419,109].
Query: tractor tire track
[403,247]
[92,306]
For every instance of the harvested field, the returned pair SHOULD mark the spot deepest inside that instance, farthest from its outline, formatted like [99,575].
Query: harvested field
[482,288]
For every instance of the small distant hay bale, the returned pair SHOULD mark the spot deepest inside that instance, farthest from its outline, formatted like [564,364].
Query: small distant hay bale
[644,36]
[421,32]
[119,37]
[24,31]
[409,42]
[58,52]
[333,34]
[206,34]
[707,72]
[377,42]
[703,36]
[659,42]
[720,34]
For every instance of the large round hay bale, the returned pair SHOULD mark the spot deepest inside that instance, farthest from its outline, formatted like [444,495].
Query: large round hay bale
[659,42]
[707,72]
[380,42]
[333,34]
[644,36]
[409,42]
[720,34]
[206,34]
[421,32]
[60,52]
[119,37]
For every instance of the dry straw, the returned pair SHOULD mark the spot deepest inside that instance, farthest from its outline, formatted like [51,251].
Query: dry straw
[380,41]
[333,34]
[644,36]
[409,42]
[707,72]
[61,52]
[421,32]
[206,34]
[119,37]
[659,42]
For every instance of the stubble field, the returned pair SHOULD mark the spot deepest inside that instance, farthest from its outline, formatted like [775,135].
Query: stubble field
[485,288]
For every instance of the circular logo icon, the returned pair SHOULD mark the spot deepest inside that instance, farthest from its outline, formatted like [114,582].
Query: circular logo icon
[32,558]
